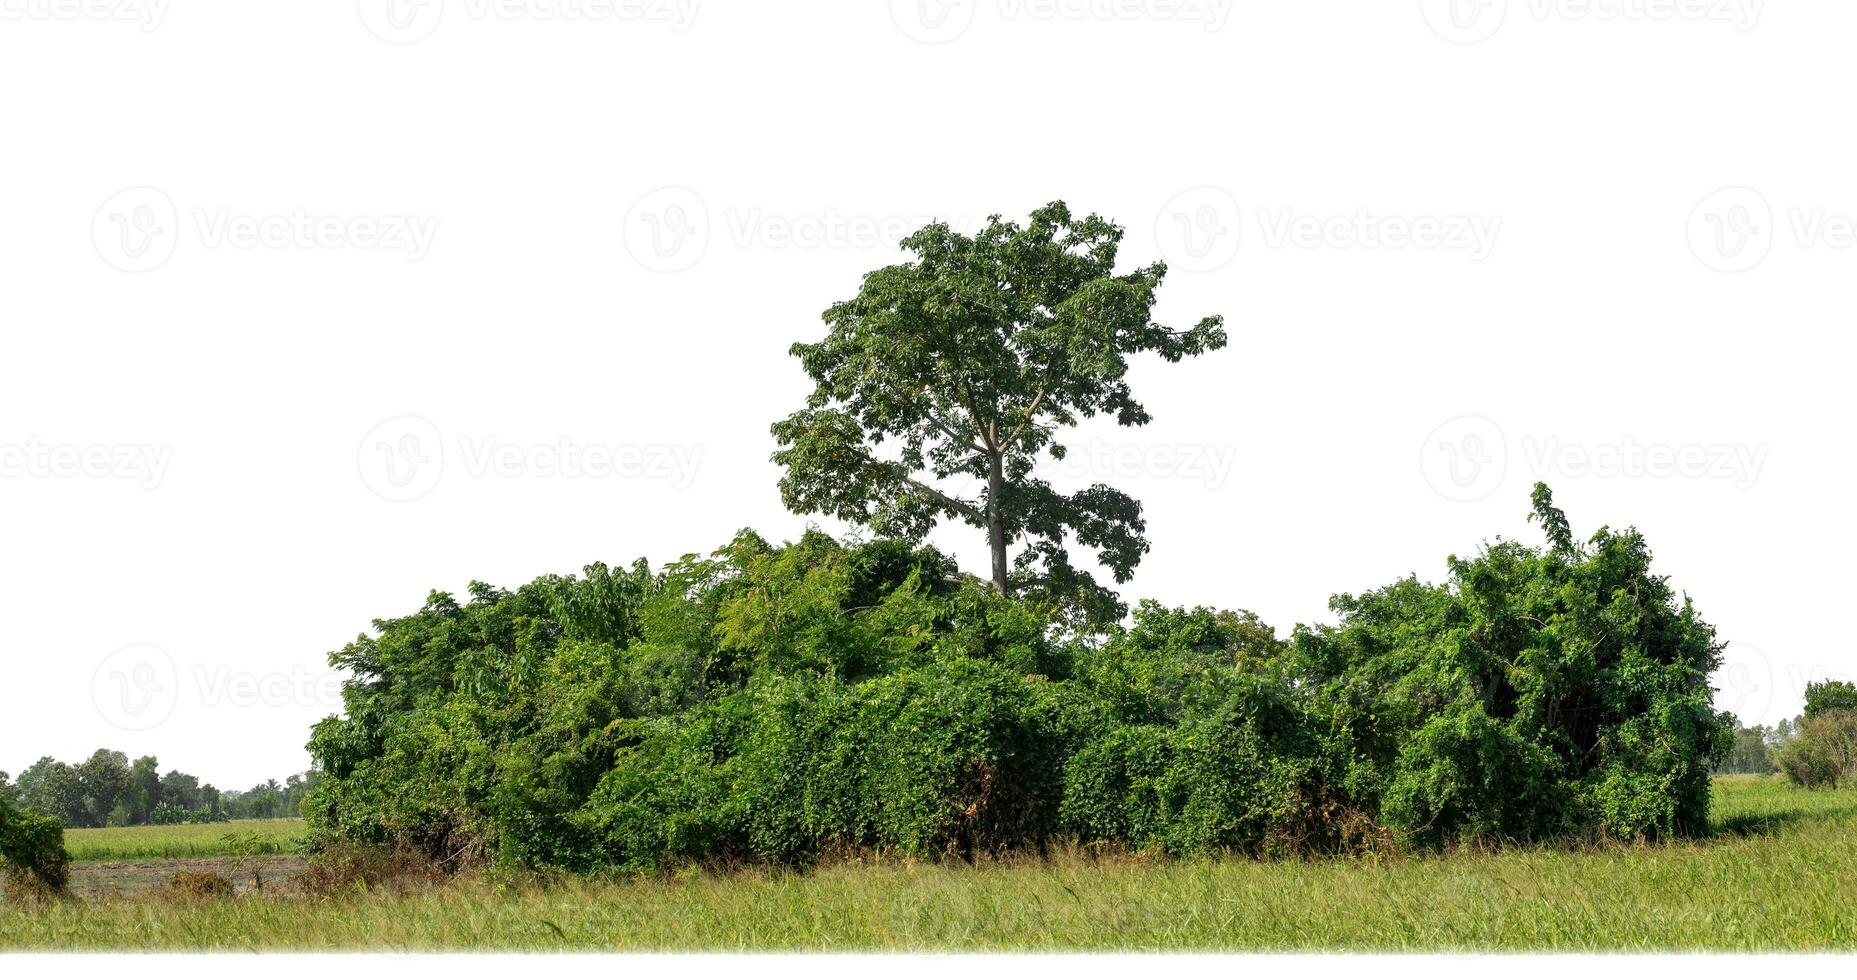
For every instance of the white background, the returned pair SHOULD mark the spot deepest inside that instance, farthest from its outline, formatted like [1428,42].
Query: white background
[632,212]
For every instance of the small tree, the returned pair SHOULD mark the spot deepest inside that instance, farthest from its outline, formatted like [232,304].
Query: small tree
[940,385]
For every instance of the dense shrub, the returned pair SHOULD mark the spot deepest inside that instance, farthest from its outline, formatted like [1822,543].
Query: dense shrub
[1823,753]
[32,853]
[783,704]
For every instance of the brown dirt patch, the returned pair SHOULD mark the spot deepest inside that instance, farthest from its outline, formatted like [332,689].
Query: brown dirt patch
[272,874]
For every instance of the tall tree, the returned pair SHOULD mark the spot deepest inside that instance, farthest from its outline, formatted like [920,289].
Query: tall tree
[144,791]
[941,384]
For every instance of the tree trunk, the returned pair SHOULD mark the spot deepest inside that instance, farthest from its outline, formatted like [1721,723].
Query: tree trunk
[996,525]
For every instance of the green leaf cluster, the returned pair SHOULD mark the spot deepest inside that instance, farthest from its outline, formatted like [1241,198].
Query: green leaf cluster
[791,703]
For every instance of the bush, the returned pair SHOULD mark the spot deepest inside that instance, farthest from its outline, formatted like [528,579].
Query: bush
[32,851]
[784,704]
[1823,753]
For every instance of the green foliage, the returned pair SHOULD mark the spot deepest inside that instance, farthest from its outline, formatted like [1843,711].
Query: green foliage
[785,703]
[1755,749]
[107,790]
[962,366]
[1534,694]
[1823,753]
[32,850]
[1830,697]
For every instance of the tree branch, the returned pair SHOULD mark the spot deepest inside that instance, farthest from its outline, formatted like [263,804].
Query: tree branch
[952,503]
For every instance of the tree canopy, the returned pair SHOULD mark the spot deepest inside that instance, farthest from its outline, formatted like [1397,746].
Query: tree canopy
[942,383]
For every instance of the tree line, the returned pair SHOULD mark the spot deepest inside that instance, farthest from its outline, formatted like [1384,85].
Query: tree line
[1815,749]
[109,790]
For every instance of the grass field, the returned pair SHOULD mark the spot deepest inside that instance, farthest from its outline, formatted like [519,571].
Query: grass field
[238,838]
[1779,874]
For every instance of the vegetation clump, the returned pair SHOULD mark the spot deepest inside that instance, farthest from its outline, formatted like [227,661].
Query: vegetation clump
[198,885]
[32,853]
[783,704]
[1822,754]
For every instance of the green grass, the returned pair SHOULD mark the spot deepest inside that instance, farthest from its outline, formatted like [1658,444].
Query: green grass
[1779,875]
[206,840]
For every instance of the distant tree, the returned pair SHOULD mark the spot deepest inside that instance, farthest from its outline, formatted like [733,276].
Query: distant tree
[143,793]
[180,790]
[1824,697]
[939,386]
[105,777]
[6,788]
[54,789]
[1752,752]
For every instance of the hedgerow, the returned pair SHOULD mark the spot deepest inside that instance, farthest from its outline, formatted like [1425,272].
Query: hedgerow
[788,704]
